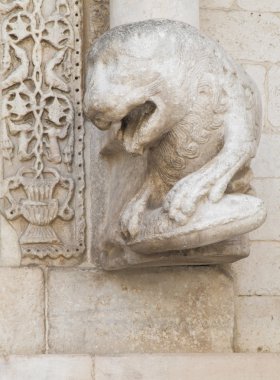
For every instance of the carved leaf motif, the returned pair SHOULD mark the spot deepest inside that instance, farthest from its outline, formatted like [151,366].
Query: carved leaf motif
[59,110]
[7,145]
[62,7]
[58,32]
[21,72]
[18,27]
[67,65]
[18,104]
[7,7]
[6,61]
[52,79]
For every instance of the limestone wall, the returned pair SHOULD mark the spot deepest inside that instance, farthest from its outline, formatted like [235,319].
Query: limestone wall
[250,31]
[82,310]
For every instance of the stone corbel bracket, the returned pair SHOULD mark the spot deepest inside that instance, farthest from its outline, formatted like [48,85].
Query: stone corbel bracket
[174,97]
[42,166]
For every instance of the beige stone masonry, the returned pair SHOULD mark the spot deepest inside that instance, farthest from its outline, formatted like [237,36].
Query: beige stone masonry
[180,310]
[188,367]
[249,36]
[249,29]
[126,11]
[257,324]
[142,367]
[183,310]
[259,274]
[214,4]
[268,189]
[21,311]
[47,367]
[260,5]
[10,254]
[96,20]
[274,95]
[267,163]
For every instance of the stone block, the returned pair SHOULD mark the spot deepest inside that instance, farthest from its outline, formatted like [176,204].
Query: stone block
[268,189]
[216,4]
[10,254]
[246,35]
[163,310]
[189,367]
[259,5]
[266,163]
[125,12]
[259,274]
[257,324]
[22,328]
[96,20]
[224,252]
[274,96]
[46,367]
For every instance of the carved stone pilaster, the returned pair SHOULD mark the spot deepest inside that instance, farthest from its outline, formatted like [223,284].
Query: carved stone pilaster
[42,132]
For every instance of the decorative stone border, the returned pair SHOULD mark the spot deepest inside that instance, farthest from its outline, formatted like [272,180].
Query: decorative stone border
[42,132]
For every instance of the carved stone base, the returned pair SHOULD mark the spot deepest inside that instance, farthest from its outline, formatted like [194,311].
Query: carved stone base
[38,234]
[233,215]
[224,252]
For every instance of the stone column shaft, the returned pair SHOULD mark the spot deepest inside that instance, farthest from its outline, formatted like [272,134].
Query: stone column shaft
[127,11]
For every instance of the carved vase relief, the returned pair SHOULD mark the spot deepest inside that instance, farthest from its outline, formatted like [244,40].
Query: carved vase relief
[177,99]
[42,125]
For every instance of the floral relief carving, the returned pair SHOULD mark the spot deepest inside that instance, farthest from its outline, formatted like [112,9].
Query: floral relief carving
[41,125]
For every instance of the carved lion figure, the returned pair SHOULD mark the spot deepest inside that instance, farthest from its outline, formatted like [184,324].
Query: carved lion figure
[177,94]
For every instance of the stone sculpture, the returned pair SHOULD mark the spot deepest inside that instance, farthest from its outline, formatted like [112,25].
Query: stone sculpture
[41,118]
[171,92]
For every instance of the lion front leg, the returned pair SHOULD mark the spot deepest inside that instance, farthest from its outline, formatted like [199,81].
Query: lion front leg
[211,181]
[241,130]
[132,215]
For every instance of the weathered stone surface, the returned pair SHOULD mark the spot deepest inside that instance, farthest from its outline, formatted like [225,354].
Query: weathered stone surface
[274,96]
[258,74]
[10,254]
[258,34]
[144,367]
[259,274]
[181,204]
[267,163]
[269,190]
[216,4]
[181,310]
[22,328]
[42,128]
[260,5]
[96,20]
[126,11]
[189,367]
[257,324]
[47,367]
[224,252]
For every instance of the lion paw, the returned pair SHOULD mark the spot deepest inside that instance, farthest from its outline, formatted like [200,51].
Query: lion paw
[182,200]
[130,221]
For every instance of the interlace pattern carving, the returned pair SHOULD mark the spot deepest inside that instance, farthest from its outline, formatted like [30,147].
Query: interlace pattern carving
[40,123]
